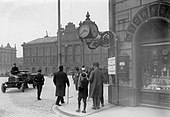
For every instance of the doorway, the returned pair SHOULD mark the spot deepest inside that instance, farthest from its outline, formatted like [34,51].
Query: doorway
[153,62]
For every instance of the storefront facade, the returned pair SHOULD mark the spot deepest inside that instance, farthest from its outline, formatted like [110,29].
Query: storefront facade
[144,30]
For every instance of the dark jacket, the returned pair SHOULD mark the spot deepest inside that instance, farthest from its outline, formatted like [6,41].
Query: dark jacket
[39,79]
[83,88]
[14,70]
[60,80]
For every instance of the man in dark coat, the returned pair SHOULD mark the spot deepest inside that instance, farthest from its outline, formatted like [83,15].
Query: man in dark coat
[15,69]
[96,85]
[39,80]
[60,80]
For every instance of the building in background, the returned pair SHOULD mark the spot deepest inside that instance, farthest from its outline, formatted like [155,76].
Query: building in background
[144,52]
[19,62]
[7,58]
[42,53]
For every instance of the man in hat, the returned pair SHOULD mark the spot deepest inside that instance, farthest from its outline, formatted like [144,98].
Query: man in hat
[39,80]
[60,80]
[15,69]
[96,85]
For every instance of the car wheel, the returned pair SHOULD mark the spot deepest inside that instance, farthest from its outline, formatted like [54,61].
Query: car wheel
[3,88]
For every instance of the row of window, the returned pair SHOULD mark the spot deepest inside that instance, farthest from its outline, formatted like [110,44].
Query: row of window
[41,60]
[51,50]
[7,57]
[88,58]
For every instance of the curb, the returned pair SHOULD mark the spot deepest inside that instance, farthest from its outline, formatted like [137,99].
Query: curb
[55,108]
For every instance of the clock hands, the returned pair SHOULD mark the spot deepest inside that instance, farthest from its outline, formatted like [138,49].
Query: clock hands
[83,31]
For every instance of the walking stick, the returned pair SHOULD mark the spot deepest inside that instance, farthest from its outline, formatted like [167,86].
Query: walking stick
[67,95]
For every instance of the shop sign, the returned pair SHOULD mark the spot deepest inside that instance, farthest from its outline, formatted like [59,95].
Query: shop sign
[111,65]
[156,9]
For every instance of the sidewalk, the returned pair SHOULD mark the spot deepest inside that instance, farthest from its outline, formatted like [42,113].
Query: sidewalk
[110,110]
[69,108]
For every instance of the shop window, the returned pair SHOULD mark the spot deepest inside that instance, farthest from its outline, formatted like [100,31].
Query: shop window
[156,67]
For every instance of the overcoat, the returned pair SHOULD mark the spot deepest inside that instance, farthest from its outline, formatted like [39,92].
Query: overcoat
[83,88]
[60,80]
[96,83]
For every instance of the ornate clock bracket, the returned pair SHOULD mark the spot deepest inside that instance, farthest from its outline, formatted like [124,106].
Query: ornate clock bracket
[94,38]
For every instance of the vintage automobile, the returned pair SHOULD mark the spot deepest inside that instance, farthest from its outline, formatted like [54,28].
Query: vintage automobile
[19,81]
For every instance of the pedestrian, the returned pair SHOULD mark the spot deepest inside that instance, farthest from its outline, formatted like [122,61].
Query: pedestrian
[76,77]
[60,80]
[82,92]
[83,70]
[39,80]
[96,85]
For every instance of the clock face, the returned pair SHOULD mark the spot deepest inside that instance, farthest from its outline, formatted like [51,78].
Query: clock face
[94,30]
[84,31]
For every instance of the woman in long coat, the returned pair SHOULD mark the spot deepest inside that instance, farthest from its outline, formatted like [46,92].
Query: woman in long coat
[96,85]
[60,80]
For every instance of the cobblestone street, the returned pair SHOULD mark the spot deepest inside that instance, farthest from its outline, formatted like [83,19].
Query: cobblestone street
[15,103]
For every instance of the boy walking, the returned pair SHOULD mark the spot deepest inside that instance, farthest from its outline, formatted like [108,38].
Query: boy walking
[82,92]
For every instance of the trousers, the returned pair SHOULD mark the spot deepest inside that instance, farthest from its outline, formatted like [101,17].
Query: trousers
[60,98]
[96,102]
[39,90]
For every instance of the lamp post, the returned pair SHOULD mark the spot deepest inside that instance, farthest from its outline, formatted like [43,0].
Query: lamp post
[59,36]
[116,75]
[88,32]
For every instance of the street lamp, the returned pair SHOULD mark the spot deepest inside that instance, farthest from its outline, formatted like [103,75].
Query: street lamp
[88,32]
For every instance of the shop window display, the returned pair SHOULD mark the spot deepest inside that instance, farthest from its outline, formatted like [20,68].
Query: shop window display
[156,67]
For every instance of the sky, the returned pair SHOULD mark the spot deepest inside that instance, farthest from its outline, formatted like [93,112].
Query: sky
[25,20]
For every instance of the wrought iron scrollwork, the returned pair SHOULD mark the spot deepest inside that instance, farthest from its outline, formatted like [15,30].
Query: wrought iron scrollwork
[105,39]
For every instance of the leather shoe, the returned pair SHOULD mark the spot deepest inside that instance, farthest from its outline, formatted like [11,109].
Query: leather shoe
[98,108]
[62,102]
[78,110]
[83,111]
[58,104]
